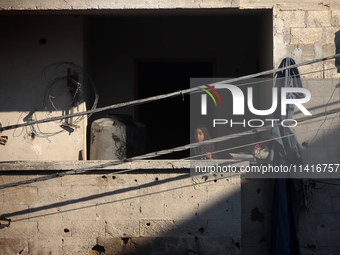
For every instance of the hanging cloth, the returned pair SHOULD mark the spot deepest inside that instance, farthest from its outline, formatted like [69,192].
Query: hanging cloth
[285,151]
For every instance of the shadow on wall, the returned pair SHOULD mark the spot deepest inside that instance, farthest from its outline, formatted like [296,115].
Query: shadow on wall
[204,228]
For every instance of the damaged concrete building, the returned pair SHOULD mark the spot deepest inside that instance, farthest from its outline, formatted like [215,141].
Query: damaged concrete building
[59,57]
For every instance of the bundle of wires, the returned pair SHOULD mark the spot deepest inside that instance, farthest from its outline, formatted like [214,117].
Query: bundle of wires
[56,77]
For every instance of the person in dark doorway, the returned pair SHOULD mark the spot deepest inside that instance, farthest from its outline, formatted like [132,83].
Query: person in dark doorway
[205,151]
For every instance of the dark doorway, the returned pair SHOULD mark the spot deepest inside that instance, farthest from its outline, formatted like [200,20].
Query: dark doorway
[137,55]
[167,121]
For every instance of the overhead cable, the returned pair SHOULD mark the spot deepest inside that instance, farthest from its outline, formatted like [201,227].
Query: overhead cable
[104,165]
[159,97]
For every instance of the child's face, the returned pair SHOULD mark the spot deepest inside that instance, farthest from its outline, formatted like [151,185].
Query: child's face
[199,136]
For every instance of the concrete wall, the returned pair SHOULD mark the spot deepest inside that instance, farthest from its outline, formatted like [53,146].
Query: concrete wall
[148,212]
[33,50]
[79,213]
[308,32]
[319,136]
[121,4]
[318,225]
[304,31]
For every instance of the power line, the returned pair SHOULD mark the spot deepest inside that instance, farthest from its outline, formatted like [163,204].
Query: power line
[328,183]
[157,153]
[159,97]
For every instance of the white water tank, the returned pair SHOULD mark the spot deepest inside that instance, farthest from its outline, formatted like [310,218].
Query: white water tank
[116,138]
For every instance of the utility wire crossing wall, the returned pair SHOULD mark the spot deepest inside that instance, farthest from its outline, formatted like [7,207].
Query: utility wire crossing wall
[166,151]
[159,97]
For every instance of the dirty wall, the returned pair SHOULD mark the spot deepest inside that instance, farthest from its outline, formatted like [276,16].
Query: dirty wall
[90,213]
[141,213]
[36,51]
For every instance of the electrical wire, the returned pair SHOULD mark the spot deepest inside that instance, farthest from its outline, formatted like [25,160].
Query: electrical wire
[63,75]
[240,146]
[55,77]
[159,97]
[272,79]
[326,117]
[146,156]
[162,152]
[328,183]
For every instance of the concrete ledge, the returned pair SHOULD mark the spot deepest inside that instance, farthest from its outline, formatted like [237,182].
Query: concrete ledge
[238,160]
[119,4]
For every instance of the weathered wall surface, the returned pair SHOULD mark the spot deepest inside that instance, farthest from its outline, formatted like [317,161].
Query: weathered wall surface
[81,213]
[319,229]
[303,31]
[32,88]
[140,213]
[256,210]
[319,136]
[306,32]
[121,4]
[318,225]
